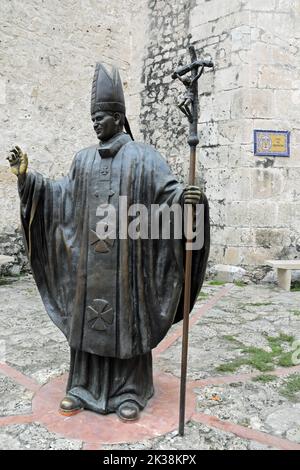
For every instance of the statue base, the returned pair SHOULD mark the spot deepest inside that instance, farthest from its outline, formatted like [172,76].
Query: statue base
[158,418]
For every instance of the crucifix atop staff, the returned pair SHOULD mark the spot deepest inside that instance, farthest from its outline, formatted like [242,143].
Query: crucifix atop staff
[189,106]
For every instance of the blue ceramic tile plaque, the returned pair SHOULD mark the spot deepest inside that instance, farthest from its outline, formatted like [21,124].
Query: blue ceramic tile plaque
[271,143]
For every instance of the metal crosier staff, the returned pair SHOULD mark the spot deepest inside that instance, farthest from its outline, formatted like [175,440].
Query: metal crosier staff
[189,107]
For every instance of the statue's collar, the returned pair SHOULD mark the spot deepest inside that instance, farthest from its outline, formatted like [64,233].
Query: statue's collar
[113,145]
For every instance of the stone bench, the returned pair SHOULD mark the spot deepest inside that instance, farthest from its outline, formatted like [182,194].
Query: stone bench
[284,271]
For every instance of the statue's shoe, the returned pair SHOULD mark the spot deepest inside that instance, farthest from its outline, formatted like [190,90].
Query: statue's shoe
[70,406]
[128,411]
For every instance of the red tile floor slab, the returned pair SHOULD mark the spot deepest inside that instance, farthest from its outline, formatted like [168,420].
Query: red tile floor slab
[159,417]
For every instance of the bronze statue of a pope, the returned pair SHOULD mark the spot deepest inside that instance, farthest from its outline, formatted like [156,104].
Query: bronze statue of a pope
[113,297]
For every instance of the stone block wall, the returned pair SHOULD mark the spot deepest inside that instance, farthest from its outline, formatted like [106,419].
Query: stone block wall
[48,50]
[47,60]
[255,85]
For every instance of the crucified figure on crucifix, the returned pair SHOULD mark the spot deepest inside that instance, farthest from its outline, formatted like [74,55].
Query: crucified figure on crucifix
[186,100]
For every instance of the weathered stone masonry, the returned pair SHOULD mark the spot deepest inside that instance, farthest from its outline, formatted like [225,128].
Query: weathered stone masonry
[47,61]
[255,47]
[48,50]
[162,124]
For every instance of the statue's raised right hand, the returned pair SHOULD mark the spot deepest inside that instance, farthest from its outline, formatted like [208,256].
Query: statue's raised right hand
[18,161]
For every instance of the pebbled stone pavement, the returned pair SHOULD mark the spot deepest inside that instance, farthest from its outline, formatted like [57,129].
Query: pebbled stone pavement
[240,371]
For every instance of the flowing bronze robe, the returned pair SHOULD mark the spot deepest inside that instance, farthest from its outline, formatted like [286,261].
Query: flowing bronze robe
[118,300]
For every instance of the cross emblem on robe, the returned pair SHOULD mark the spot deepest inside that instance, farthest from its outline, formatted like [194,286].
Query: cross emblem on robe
[102,244]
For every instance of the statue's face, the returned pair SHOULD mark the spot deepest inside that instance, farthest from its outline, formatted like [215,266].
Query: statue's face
[105,125]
